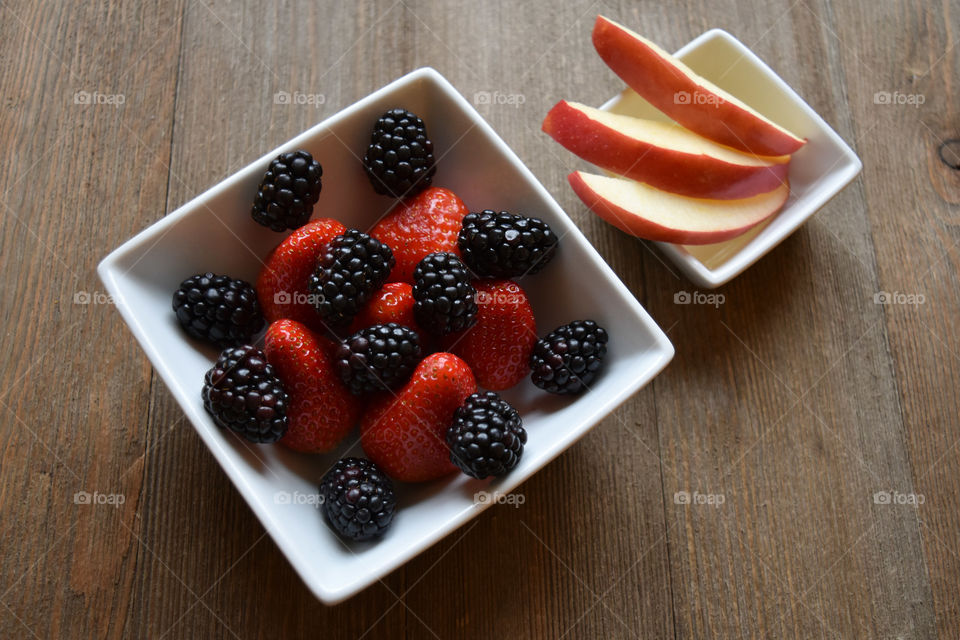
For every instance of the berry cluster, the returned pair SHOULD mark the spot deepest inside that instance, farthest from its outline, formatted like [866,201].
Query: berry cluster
[446,301]
[486,437]
[357,498]
[288,191]
[244,395]
[567,360]
[504,245]
[350,270]
[399,160]
[218,309]
[378,358]
[409,330]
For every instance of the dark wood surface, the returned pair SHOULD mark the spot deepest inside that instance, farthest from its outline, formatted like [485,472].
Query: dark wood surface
[796,401]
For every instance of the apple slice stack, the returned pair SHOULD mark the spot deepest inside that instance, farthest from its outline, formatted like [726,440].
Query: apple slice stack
[719,169]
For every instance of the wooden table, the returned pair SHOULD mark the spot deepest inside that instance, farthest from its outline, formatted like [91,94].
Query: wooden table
[797,400]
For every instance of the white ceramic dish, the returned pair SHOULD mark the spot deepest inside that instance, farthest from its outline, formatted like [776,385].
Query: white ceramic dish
[214,232]
[818,171]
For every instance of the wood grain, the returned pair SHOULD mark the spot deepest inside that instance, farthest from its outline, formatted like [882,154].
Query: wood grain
[787,408]
[917,253]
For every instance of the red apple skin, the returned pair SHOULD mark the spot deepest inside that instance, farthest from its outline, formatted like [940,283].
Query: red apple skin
[630,223]
[687,174]
[658,81]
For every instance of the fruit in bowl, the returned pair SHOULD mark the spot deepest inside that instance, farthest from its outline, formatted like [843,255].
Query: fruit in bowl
[693,101]
[355,320]
[215,232]
[716,171]
[426,223]
[647,212]
[321,410]
[663,155]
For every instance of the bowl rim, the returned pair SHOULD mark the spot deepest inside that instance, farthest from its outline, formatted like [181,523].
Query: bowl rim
[111,270]
[750,253]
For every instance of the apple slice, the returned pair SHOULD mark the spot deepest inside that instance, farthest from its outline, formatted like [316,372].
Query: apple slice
[645,212]
[693,101]
[662,154]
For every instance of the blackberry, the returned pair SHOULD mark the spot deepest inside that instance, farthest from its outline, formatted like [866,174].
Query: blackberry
[243,394]
[288,191]
[219,309]
[352,267]
[568,359]
[357,499]
[399,160]
[486,437]
[504,245]
[377,358]
[445,301]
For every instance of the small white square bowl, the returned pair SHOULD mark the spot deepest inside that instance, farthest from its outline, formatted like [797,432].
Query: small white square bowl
[818,171]
[214,232]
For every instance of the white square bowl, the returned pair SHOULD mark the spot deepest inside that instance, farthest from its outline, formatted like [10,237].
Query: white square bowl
[214,232]
[818,171]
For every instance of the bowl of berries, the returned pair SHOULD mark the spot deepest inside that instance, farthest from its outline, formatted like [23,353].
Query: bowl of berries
[380,328]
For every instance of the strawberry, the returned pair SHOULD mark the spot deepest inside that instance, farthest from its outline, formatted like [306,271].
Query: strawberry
[425,223]
[282,284]
[393,303]
[406,433]
[499,345]
[320,409]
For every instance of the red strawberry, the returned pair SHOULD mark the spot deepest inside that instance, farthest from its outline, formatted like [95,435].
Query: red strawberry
[426,223]
[393,303]
[321,411]
[498,346]
[406,433]
[282,284]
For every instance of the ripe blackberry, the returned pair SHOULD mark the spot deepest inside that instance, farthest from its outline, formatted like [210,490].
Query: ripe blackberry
[486,437]
[358,499]
[399,160]
[377,358]
[504,245]
[243,394]
[445,301]
[352,267]
[288,191]
[218,309]
[568,359]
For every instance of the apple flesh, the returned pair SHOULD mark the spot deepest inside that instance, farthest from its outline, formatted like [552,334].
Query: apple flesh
[693,101]
[661,154]
[645,212]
